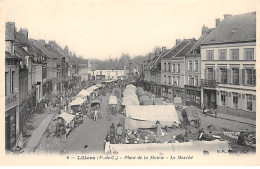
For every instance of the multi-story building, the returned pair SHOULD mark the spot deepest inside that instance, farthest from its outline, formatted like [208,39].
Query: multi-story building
[104,74]
[228,66]
[11,88]
[155,71]
[192,71]
[173,69]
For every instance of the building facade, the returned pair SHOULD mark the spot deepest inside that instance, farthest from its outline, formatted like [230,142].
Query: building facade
[107,74]
[228,66]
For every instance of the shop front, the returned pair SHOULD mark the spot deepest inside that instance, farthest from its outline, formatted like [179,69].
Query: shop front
[10,128]
[193,96]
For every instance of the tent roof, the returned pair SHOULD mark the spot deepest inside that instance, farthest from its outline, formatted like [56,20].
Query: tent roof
[112,100]
[131,86]
[153,113]
[66,116]
[186,147]
[130,97]
[77,101]
[157,101]
[177,100]
[130,102]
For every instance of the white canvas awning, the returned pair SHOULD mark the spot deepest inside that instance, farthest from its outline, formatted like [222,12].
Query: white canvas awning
[130,102]
[213,147]
[77,101]
[66,116]
[166,113]
[177,100]
[112,100]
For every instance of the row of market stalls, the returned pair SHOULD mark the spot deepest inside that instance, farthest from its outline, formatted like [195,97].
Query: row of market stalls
[72,116]
[153,126]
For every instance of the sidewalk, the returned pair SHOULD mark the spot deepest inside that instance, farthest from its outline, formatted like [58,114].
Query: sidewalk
[38,133]
[234,118]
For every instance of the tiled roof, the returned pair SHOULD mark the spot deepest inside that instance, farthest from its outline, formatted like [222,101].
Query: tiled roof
[10,56]
[237,28]
[181,49]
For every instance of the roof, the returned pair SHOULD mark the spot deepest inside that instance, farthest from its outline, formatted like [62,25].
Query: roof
[21,51]
[66,116]
[77,101]
[10,31]
[180,49]
[213,147]
[153,113]
[10,56]
[237,28]
[112,100]
[42,48]
[21,38]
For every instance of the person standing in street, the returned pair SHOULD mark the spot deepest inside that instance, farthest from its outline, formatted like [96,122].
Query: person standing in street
[95,115]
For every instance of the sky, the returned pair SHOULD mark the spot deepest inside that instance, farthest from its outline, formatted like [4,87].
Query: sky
[107,28]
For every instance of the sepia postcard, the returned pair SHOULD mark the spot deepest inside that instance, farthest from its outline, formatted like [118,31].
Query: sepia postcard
[129,82]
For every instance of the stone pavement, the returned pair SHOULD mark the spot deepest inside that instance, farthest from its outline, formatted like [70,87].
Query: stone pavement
[38,133]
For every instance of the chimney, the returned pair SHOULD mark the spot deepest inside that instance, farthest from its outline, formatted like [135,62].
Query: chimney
[205,30]
[42,42]
[163,48]
[217,22]
[178,41]
[227,16]
[10,28]
[157,51]
[47,46]
[24,32]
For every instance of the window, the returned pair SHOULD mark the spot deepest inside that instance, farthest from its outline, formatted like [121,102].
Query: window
[249,102]
[196,66]
[249,76]
[164,66]
[222,54]
[210,55]
[249,54]
[6,76]
[210,73]
[178,81]
[169,77]
[178,68]
[235,100]
[116,73]
[101,72]
[235,76]
[190,65]
[188,95]
[223,75]
[234,53]
[165,79]
[173,68]
[12,90]
[169,67]
[196,81]
[191,81]
[173,80]
[223,98]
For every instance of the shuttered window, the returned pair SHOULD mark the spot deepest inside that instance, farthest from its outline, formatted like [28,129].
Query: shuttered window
[249,102]
[235,76]
[235,100]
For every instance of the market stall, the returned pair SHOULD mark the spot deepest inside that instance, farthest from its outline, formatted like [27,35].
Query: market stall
[211,147]
[66,120]
[147,116]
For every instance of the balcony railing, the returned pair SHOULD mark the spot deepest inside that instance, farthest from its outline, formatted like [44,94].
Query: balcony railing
[208,83]
[11,100]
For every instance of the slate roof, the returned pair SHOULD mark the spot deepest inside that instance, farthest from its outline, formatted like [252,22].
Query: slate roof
[237,28]
[42,48]
[21,51]
[21,38]
[10,56]
[181,49]
[9,31]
